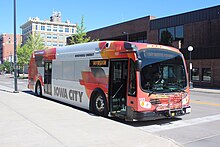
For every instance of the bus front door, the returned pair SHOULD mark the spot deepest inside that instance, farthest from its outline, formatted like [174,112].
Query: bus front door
[118,85]
[47,77]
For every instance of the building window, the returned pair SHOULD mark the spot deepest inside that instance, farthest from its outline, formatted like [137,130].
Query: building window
[206,74]
[60,29]
[61,37]
[55,28]
[42,35]
[54,36]
[60,44]
[54,44]
[171,32]
[36,27]
[179,33]
[73,31]
[43,28]
[67,30]
[48,43]
[168,35]
[49,36]
[195,74]
[48,28]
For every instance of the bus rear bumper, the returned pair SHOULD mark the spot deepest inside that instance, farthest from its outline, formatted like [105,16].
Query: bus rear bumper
[145,116]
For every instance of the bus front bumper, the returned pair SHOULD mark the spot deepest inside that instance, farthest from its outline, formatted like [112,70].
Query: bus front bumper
[144,116]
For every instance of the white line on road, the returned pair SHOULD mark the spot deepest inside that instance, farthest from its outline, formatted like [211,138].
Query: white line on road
[179,124]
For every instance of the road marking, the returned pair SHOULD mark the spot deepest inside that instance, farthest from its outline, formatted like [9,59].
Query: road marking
[205,103]
[179,124]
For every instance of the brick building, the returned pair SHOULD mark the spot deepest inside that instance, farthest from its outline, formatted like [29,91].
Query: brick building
[53,31]
[7,46]
[200,29]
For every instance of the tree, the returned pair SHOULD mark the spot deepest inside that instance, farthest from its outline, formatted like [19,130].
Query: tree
[2,67]
[6,66]
[166,38]
[80,36]
[35,42]
[24,54]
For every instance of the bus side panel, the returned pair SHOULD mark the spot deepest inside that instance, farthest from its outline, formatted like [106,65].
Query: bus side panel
[74,81]
[70,92]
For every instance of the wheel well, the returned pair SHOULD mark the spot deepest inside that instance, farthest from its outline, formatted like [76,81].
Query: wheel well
[97,90]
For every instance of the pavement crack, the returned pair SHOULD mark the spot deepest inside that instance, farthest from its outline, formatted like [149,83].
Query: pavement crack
[34,123]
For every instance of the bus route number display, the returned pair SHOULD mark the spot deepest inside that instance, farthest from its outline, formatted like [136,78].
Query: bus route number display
[99,63]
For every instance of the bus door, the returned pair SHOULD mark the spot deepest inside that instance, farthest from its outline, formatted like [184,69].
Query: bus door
[47,77]
[118,85]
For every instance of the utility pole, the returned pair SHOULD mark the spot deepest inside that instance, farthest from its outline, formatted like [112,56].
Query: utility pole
[15,52]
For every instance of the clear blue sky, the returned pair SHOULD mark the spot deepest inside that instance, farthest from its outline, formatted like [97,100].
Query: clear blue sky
[97,13]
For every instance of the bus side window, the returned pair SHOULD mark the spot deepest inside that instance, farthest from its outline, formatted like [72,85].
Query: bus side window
[132,81]
[98,72]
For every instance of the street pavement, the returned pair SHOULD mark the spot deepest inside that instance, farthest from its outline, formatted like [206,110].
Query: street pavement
[199,128]
[27,120]
[206,90]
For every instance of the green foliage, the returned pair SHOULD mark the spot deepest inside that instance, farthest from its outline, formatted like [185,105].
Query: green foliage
[2,67]
[24,54]
[35,42]
[80,36]
[6,66]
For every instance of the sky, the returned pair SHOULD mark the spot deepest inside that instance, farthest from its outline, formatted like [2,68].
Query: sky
[97,13]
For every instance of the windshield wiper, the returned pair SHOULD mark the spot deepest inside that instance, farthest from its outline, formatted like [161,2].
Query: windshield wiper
[180,90]
[152,92]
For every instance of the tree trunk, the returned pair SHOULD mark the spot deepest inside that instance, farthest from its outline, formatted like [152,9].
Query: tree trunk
[23,71]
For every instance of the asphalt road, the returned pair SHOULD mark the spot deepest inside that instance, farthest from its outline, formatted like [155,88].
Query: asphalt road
[200,128]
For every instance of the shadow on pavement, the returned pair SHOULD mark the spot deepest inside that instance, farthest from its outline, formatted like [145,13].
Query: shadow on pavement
[160,122]
[56,101]
[6,90]
[134,124]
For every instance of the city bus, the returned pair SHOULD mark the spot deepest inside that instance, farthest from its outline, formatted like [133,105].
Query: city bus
[129,80]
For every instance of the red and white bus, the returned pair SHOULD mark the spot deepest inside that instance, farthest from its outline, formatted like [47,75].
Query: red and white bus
[135,81]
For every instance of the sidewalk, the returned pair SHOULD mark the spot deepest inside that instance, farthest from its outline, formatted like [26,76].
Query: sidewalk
[27,120]
[206,90]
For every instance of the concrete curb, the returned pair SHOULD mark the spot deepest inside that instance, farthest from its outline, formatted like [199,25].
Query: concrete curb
[204,90]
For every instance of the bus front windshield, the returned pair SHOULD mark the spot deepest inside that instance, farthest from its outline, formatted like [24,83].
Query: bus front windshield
[162,71]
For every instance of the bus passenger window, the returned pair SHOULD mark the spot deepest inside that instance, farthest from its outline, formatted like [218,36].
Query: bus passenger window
[98,72]
[132,80]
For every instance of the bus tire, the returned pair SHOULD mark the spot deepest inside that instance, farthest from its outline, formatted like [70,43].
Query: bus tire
[99,104]
[38,89]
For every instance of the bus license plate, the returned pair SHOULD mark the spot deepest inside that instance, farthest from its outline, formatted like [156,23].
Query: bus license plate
[188,110]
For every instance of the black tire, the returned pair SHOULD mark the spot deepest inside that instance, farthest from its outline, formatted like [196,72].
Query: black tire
[99,104]
[38,89]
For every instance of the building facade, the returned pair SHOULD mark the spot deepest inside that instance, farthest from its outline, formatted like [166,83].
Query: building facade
[200,29]
[53,31]
[7,47]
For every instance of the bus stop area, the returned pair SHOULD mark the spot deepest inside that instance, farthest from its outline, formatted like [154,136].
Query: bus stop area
[27,120]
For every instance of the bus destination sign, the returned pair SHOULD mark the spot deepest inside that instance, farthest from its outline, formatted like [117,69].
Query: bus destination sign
[99,63]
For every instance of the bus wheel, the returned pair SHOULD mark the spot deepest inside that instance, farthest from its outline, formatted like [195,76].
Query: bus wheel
[38,90]
[100,105]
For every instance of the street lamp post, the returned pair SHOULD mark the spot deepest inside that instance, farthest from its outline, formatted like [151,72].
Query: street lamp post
[126,35]
[15,52]
[10,60]
[190,49]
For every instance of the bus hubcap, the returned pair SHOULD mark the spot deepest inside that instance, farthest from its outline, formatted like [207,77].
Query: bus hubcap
[38,90]
[100,104]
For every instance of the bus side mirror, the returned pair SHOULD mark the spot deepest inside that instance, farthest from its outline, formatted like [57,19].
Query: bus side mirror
[138,65]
